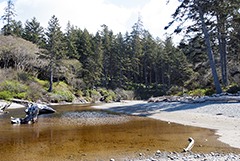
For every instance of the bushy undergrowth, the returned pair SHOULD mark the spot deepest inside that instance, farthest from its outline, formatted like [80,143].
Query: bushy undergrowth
[22,85]
[10,89]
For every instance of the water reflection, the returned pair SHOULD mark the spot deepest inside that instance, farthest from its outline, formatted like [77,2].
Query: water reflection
[82,133]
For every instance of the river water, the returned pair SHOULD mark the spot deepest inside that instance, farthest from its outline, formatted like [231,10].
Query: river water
[80,132]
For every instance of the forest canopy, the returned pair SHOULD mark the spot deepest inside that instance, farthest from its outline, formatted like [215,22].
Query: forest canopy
[132,61]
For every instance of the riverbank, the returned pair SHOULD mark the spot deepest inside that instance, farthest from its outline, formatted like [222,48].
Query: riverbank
[212,115]
[224,117]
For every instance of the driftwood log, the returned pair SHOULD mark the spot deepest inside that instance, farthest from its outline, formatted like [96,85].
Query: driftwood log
[43,109]
[28,119]
[190,145]
[32,112]
[224,97]
[4,107]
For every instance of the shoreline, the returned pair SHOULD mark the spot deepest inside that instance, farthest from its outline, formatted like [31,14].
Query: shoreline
[198,115]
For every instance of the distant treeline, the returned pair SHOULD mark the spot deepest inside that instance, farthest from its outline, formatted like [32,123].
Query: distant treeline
[84,60]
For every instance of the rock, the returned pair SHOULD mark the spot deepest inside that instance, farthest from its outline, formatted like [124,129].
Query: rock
[158,152]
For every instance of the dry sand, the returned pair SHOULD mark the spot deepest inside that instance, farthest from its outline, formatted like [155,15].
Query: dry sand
[220,116]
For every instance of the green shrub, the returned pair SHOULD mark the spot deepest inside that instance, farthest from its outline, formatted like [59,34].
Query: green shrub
[66,95]
[94,92]
[199,92]
[22,95]
[95,95]
[234,88]
[44,83]
[103,92]
[88,93]
[6,95]
[109,99]
[14,87]
[79,93]
[124,94]
[23,76]
[179,93]
[209,92]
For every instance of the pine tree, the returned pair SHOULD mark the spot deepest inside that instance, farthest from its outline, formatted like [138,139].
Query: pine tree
[106,44]
[136,35]
[93,66]
[71,40]
[87,51]
[8,17]
[195,10]
[54,44]
[120,57]
[34,32]
[17,29]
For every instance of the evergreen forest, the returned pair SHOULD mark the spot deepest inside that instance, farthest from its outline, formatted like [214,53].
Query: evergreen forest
[62,63]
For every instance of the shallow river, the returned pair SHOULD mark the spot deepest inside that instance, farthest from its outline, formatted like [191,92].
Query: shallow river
[79,132]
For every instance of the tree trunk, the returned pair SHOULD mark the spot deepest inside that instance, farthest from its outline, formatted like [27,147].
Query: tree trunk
[209,50]
[104,70]
[145,68]
[163,83]
[169,74]
[156,79]
[120,78]
[51,75]
[224,60]
[222,50]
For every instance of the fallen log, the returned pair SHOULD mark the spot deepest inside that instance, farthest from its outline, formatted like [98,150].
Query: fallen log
[224,97]
[32,112]
[4,107]
[190,145]
[30,118]
[43,109]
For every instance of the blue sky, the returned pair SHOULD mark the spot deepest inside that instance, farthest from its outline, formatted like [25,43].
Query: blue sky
[118,15]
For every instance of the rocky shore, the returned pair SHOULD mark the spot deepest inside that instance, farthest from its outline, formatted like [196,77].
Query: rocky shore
[164,156]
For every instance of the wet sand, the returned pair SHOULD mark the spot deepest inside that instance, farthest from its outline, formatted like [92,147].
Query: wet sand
[59,141]
[198,115]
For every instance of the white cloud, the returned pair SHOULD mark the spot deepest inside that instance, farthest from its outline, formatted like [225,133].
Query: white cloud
[156,15]
[2,6]
[91,14]
[88,14]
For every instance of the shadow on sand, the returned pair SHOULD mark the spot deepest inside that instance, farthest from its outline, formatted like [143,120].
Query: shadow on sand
[148,109]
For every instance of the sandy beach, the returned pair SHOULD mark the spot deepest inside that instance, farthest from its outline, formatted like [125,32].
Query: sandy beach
[224,117]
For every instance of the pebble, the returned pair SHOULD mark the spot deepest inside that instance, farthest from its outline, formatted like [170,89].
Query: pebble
[188,156]
[158,152]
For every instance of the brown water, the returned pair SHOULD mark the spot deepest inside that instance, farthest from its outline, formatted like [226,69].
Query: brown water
[78,132]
